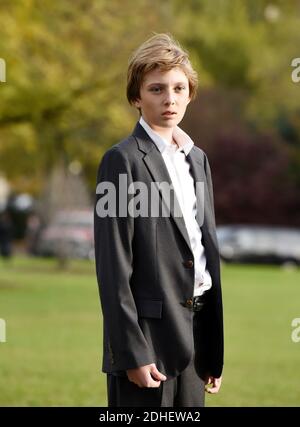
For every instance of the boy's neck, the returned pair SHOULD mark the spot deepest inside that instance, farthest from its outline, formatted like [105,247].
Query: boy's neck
[167,134]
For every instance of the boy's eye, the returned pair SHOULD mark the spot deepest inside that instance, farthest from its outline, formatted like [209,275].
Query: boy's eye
[158,89]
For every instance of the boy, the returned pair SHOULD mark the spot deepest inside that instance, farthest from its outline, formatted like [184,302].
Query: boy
[157,256]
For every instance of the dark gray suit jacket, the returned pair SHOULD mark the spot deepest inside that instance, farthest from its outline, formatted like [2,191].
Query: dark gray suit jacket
[145,271]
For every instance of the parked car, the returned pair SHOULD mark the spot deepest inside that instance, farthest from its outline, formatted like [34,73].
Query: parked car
[262,244]
[70,234]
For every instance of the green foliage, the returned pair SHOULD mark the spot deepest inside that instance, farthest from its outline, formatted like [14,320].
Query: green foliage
[246,45]
[65,89]
[66,71]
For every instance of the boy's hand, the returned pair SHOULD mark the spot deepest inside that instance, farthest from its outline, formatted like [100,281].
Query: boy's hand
[212,384]
[146,376]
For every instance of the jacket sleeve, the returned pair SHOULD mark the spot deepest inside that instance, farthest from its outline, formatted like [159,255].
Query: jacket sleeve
[113,235]
[214,332]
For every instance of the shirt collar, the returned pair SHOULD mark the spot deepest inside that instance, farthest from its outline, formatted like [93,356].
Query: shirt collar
[182,139]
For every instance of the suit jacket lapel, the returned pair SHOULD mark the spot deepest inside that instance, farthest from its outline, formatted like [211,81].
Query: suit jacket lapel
[159,172]
[204,210]
[197,171]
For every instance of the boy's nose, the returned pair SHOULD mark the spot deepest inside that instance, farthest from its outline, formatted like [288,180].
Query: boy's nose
[170,100]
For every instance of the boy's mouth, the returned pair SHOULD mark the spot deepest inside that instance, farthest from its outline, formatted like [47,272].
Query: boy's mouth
[169,113]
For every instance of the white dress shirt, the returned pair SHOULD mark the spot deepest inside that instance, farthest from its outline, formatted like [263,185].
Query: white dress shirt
[179,170]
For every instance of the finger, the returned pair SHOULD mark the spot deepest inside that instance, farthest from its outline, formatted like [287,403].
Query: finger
[213,390]
[157,375]
[216,384]
[208,380]
[151,383]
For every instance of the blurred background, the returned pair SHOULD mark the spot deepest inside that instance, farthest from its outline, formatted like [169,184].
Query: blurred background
[63,104]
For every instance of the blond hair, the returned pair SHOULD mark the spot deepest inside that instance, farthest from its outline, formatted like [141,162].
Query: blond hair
[163,52]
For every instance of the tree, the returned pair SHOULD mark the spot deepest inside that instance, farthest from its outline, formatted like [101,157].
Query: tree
[65,90]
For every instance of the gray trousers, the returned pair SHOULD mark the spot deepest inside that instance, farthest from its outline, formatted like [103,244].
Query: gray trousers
[185,390]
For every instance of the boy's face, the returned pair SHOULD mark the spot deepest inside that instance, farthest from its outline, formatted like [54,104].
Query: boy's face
[162,92]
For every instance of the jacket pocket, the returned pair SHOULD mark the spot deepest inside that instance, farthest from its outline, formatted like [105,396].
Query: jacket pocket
[149,308]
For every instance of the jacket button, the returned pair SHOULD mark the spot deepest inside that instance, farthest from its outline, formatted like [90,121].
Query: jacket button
[189,302]
[188,264]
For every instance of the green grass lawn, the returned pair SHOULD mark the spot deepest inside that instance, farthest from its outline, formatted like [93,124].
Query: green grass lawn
[52,355]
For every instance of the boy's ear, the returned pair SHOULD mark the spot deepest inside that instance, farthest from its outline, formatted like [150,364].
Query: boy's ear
[136,103]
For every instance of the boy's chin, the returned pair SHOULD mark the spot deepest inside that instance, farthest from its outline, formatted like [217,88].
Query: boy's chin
[171,123]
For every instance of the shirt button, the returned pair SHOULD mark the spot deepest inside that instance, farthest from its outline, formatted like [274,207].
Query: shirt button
[188,264]
[189,302]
